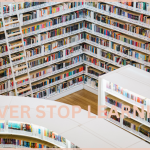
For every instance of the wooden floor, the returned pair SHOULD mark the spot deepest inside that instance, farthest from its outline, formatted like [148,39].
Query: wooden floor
[81,98]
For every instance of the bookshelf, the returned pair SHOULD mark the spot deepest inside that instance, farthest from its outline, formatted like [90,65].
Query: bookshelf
[36,35]
[121,87]
[29,130]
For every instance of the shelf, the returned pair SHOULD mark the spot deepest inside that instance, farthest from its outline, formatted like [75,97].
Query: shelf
[17,21]
[16,45]
[122,97]
[17,57]
[9,35]
[57,82]
[19,68]
[118,29]
[53,15]
[54,61]
[138,119]
[55,72]
[54,27]
[23,78]
[23,90]
[137,10]
[117,16]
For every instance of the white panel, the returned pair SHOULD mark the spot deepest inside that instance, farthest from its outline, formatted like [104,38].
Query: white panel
[111,133]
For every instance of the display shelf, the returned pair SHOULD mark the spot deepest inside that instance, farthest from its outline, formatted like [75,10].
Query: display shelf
[117,16]
[5,78]
[66,91]
[115,52]
[55,61]
[38,7]
[128,100]
[101,58]
[57,82]
[118,29]
[54,27]
[56,72]
[119,86]
[129,8]
[96,67]
[53,15]
[117,41]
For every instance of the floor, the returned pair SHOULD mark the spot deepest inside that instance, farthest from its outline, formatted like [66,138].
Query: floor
[82,98]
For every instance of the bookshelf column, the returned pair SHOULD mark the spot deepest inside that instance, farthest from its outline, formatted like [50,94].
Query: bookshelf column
[68,144]
[9,52]
[101,94]
[64,54]
[98,52]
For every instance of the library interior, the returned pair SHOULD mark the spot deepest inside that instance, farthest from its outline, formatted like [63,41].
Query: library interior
[76,53]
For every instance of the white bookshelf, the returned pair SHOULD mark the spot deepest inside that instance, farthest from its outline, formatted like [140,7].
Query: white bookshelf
[90,19]
[133,81]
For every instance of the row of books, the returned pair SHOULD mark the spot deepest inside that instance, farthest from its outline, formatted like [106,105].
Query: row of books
[95,72]
[57,77]
[140,5]
[122,49]
[38,50]
[6,85]
[20,126]
[33,51]
[55,67]
[58,8]
[30,128]
[123,61]
[114,117]
[3,48]
[91,82]
[96,39]
[125,93]
[2,35]
[61,31]
[22,88]
[23,5]
[7,8]
[59,88]
[134,125]
[94,61]
[30,40]
[111,56]
[53,135]
[123,25]
[122,37]
[53,56]
[39,61]
[22,81]
[52,22]
[130,52]
[30,15]
[122,12]
[10,93]
[69,51]
[53,45]
[2,125]
[18,66]
[119,103]
[4,61]
[22,143]
[15,55]
[90,48]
